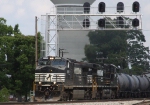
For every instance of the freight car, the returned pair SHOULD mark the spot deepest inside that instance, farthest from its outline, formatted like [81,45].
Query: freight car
[133,86]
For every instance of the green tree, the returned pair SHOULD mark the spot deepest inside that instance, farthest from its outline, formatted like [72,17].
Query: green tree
[17,58]
[138,54]
[16,29]
[110,45]
[4,95]
[4,80]
[24,63]
[20,64]
[119,48]
[6,57]
[5,29]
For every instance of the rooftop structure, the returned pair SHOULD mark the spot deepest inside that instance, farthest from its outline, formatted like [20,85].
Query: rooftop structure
[70,2]
[64,27]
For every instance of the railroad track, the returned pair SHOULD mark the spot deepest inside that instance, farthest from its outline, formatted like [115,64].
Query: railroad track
[143,103]
[140,101]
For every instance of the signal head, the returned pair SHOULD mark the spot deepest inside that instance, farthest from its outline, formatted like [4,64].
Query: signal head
[101,7]
[101,22]
[120,7]
[136,6]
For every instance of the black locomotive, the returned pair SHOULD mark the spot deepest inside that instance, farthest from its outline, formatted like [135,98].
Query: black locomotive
[70,79]
[50,76]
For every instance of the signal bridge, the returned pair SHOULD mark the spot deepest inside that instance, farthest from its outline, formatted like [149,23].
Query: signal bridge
[72,18]
[81,17]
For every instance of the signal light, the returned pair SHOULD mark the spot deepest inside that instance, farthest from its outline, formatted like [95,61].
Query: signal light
[101,22]
[120,22]
[135,22]
[86,23]
[120,7]
[136,6]
[101,7]
[86,6]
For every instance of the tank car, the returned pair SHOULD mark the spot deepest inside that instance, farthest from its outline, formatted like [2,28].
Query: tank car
[133,85]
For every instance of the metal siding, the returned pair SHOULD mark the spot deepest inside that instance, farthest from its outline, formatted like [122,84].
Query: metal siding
[74,43]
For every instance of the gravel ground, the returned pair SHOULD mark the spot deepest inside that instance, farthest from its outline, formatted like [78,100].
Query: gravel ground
[101,103]
[131,102]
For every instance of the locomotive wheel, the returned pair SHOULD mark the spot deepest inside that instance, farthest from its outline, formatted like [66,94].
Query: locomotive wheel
[98,95]
[64,96]
[113,95]
[119,95]
[122,95]
[145,95]
[70,95]
[129,95]
[126,95]
[46,94]
[139,95]
[87,95]
[133,95]
[136,95]
[148,94]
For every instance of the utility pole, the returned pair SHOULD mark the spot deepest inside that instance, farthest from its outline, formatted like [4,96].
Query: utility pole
[32,93]
[36,42]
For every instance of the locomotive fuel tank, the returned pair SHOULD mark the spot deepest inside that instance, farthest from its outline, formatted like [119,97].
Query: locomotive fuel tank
[144,82]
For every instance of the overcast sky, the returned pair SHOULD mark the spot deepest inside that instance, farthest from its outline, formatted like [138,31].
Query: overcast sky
[23,12]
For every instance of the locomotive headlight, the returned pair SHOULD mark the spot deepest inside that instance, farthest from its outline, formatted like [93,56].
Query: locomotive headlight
[51,58]
[54,82]
[39,83]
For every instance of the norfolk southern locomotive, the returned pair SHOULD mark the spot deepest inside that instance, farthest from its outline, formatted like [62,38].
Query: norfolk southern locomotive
[70,79]
[50,76]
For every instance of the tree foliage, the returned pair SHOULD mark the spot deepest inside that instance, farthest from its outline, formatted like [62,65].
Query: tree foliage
[4,95]
[17,58]
[120,48]
[5,29]
[108,45]
[138,54]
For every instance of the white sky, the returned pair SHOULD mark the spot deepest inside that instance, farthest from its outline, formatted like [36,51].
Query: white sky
[23,12]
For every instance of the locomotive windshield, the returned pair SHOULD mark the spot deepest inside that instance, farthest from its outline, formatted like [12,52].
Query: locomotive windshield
[53,62]
[58,62]
[43,61]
